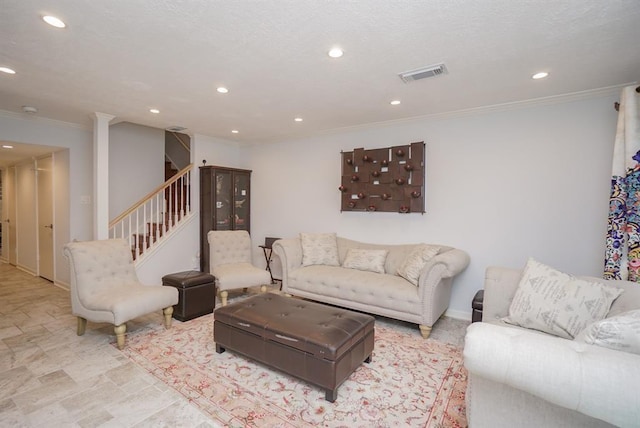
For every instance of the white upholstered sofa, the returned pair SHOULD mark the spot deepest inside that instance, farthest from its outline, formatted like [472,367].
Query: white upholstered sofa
[520,377]
[386,294]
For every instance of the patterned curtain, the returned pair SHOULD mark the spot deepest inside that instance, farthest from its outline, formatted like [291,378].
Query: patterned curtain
[622,256]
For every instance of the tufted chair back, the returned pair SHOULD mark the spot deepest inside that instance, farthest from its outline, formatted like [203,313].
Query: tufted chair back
[229,246]
[98,266]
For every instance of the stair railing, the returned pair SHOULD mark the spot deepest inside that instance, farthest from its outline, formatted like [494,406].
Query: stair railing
[154,216]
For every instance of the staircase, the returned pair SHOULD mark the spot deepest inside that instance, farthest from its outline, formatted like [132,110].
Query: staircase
[154,217]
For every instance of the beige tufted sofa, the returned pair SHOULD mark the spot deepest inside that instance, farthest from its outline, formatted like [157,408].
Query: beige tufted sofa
[524,378]
[385,294]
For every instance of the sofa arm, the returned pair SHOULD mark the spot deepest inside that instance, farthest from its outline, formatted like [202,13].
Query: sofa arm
[290,253]
[435,283]
[596,381]
[453,261]
[500,285]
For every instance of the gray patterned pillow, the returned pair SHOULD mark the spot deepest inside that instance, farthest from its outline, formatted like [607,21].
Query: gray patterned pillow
[416,260]
[368,260]
[558,303]
[621,332]
[319,249]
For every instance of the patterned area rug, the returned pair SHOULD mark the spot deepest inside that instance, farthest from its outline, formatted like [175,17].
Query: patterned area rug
[410,382]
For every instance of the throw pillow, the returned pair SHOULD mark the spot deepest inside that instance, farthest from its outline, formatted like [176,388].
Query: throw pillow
[367,260]
[416,260]
[319,249]
[558,303]
[621,332]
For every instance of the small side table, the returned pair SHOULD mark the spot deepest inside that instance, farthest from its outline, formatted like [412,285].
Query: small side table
[476,306]
[196,293]
[268,253]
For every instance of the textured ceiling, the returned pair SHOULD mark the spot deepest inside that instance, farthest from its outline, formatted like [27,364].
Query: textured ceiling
[123,57]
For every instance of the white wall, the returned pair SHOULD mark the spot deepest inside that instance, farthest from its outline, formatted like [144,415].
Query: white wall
[26,227]
[502,185]
[136,164]
[79,141]
[61,203]
[182,251]
[178,253]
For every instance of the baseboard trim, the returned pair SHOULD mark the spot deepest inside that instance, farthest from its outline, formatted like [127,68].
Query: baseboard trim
[459,315]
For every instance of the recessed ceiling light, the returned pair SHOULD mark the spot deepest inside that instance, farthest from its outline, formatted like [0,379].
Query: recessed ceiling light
[395,102]
[7,70]
[335,52]
[540,75]
[222,90]
[234,131]
[7,146]
[154,110]
[53,21]
[29,109]
[298,119]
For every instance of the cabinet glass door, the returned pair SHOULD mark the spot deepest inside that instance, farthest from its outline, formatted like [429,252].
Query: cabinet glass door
[223,208]
[241,198]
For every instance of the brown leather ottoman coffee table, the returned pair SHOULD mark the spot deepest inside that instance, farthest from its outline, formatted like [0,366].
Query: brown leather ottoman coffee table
[320,344]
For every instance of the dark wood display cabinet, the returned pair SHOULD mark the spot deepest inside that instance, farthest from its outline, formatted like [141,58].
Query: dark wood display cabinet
[224,204]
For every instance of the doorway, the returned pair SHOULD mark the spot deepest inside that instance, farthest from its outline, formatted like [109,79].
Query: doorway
[44,177]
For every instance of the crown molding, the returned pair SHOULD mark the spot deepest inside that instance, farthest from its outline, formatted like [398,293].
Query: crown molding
[494,108]
[44,120]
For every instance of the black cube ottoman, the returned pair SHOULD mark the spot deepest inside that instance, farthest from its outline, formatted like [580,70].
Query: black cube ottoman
[196,293]
[476,306]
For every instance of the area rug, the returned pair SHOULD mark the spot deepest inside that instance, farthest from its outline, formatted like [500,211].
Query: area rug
[409,382]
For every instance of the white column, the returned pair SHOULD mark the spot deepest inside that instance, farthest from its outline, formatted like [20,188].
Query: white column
[101,175]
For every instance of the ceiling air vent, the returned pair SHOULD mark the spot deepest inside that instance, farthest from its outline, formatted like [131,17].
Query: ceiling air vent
[423,73]
[176,129]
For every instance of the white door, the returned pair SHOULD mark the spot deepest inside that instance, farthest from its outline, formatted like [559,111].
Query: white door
[10,200]
[45,217]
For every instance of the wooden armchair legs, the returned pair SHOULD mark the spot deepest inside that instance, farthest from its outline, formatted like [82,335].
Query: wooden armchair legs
[167,316]
[82,326]
[121,329]
[224,294]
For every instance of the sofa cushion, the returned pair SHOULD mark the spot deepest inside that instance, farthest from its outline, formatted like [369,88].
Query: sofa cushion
[367,260]
[558,303]
[366,288]
[621,332]
[416,261]
[319,249]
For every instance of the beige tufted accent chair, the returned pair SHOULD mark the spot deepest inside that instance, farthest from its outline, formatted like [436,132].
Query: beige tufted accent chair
[105,287]
[230,262]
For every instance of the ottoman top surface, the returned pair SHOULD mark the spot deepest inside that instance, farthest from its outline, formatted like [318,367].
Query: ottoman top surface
[309,326]
[188,278]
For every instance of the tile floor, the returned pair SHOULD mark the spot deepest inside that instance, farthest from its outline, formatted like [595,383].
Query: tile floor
[50,377]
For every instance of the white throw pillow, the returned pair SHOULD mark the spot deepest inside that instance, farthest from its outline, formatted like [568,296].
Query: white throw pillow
[416,260]
[363,259]
[558,303]
[319,249]
[621,332]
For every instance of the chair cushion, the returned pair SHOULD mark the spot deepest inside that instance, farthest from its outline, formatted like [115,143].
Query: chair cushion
[131,300]
[239,275]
